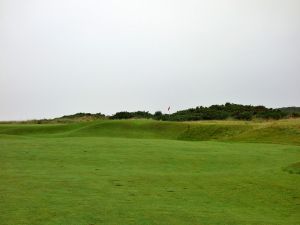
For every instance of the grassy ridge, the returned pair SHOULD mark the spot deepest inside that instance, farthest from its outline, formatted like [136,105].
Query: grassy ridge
[281,132]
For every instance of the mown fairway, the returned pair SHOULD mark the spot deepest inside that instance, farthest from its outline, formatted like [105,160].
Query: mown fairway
[147,172]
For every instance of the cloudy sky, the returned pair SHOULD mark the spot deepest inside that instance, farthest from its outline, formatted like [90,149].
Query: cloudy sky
[60,57]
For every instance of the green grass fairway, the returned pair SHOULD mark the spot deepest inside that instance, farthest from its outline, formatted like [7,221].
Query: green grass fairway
[149,173]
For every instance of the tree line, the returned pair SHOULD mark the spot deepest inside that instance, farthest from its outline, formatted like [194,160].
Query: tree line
[214,112]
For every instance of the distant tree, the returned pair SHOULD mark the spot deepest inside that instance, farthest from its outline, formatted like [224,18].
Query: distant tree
[272,114]
[291,111]
[122,115]
[244,116]
[158,115]
[142,115]
[129,115]
[295,115]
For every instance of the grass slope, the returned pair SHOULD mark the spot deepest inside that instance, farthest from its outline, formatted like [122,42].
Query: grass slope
[146,172]
[281,132]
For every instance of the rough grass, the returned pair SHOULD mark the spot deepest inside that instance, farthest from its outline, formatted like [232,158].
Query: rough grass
[147,172]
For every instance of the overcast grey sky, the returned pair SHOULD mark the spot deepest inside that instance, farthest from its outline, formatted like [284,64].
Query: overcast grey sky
[65,56]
